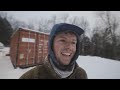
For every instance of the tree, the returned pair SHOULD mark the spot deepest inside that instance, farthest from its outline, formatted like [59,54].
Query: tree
[44,25]
[96,42]
[31,24]
[64,17]
[108,26]
[84,24]
[5,31]
[53,20]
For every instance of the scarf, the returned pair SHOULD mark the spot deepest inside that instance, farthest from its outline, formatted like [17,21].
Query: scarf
[62,74]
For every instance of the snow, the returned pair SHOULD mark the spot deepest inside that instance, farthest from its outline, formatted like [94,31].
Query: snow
[96,67]
[1,45]
[100,68]
[27,29]
[7,70]
[4,51]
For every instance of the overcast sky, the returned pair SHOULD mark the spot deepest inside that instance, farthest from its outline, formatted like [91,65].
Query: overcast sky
[26,16]
[36,15]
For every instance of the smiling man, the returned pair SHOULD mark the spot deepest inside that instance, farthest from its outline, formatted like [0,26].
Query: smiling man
[63,53]
[64,47]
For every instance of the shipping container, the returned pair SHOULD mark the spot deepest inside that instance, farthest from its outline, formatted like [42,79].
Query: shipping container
[28,47]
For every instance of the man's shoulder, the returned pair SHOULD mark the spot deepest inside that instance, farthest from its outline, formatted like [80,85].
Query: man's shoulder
[80,71]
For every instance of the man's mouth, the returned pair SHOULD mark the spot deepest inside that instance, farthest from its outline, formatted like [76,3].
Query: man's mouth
[66,54]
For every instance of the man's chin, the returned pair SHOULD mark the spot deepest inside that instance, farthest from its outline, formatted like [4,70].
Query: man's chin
[66,63]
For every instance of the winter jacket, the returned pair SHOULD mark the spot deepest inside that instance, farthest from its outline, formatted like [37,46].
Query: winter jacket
[46,71]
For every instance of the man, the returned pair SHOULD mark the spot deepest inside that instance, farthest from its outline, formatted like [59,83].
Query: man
[63,53]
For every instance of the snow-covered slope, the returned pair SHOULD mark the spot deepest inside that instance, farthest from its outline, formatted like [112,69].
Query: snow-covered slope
[7,70]
[100,68]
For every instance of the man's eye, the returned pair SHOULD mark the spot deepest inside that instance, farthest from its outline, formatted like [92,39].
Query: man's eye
[62,40]
[73,42]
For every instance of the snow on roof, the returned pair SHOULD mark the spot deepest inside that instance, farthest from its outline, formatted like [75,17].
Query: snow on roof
[32,30]
[27,29]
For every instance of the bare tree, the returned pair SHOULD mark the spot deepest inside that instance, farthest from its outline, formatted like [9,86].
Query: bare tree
[63,17]
[84,24]
[13,21]
[75,20]
[16,24]
[3,14]
[31,24]
[53,20]
[44,25]
[110,24]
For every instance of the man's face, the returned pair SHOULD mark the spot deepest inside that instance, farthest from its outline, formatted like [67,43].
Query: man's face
[64,47]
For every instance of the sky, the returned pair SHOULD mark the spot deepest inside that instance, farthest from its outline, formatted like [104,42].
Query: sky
[95,67]
[26,16]
[36,15]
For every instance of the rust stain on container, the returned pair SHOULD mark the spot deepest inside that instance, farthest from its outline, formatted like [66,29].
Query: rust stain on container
[28,48]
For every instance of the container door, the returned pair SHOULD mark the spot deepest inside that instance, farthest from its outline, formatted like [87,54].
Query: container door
[39,53]
[23,45]
[45,46]
[42,48]
[31,49]
[27,48]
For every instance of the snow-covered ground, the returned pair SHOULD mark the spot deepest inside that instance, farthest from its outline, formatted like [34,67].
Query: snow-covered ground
[96,67]
[7,70]
[100,68]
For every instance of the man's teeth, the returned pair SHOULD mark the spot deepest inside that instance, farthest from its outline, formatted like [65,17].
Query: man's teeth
[68,54]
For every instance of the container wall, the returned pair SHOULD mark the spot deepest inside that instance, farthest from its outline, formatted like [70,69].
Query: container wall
[28,48]
[14,44]
[42,47]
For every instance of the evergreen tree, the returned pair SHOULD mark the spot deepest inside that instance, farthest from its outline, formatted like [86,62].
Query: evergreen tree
[5,31]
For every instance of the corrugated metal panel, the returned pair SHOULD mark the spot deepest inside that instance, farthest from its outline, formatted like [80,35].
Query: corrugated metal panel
[28,48]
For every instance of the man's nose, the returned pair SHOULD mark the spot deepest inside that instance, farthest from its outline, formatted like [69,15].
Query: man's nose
[68,46]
